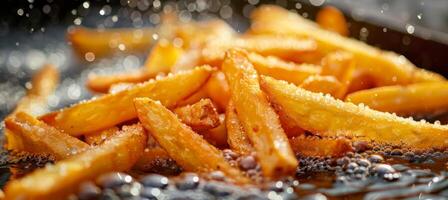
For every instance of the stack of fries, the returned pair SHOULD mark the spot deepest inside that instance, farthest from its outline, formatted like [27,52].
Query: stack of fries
[286,87]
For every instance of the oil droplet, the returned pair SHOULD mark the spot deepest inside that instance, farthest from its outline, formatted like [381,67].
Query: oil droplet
[317,2]
[20,12]
[89,56]
[410,29]
[86,4]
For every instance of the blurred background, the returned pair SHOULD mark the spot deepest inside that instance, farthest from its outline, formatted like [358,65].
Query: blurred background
[32,32]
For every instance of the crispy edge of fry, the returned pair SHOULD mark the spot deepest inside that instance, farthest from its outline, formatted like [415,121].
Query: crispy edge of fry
[120,87]
[195,97]
[108,110]
[236,137]
[44,82]
[258,118]
[218,90]
[320,147]
[103,43]
[283,70]
[332,19]
[163,56]
[414,99]
[274,19]
[344,119]
[102,83]
[217,136]
[59,180]
[98,138]
[38,137]
[200,116]
[186,147]
[323,84]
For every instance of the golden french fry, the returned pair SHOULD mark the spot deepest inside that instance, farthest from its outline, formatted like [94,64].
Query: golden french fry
[163,57]
[200,116]
[195,97]
[100,43]
[196,34]
[101,136]
[332,19]
[218,90]
[258,118]
[44,82]
[37,137]
[320,147]
[217,136]
[236,137]
[102,83]
[288,48]
[186,147]
[273,19]
[279,69]
[416,98]
[360,81]
[59,180]
[111,109]
[326,116]
[323,84]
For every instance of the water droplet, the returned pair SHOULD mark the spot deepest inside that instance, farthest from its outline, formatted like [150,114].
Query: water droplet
[317,2]
[86,4]
[410,29]
[77,21]
[89,56]
[20,11]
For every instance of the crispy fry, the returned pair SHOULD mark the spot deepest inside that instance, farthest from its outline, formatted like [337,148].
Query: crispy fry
[279,69]
[195,35]
[105,42]
[37,137]
[323,84]
[57,181]
[186,147]
[236,137]
[360,81]
[320,147]
[273,19]
[217,136]
[44,83]
[163,57]
[414,99]
[101,136]
[199,116]
[102,83]
[288,48]
[332,19]
[195,97]
[218,90]
[111,109]
[257,117]
[326,116]
[341,65]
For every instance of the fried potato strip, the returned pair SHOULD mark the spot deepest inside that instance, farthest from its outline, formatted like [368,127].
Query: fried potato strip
[111,109]
[326,116]
[236,137]
[163,57]
[257,117]
[98,138]
[332,19]
[102,83]
[59,180]
[217,136]
[324,84]
[101,43]
[273,19]
[320,147]
[35,136]
[186,147]
[416,98]
[200,116]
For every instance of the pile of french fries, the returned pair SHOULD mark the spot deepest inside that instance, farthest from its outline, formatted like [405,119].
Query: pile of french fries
[286,87]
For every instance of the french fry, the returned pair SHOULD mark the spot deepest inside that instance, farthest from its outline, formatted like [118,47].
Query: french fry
[258,118]
[101,136]
[59,180]
[324,84]
[328,117]
[105,42]
[196,34]
[414,99]
[341,65]
[218,90]
[320,147]
[361,80]
[163,57]
[217,136]
[44,82]
[111,109]
[332,19]
[37,137]
[236,137]
[288,48]
[102,83]
[186,147]
[279,69]
[195,97]
[152,158]
[199,116]
[273,19]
